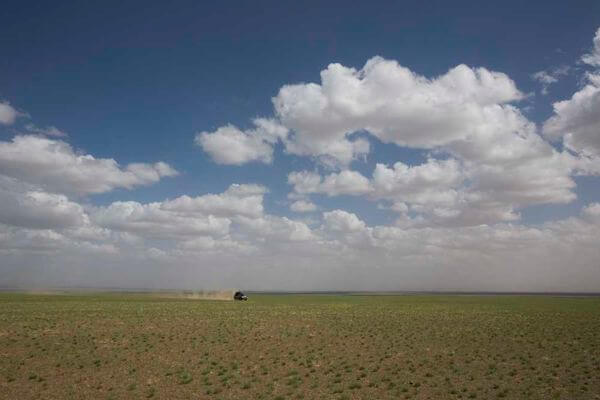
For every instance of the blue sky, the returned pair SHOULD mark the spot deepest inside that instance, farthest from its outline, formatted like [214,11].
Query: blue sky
[139,82]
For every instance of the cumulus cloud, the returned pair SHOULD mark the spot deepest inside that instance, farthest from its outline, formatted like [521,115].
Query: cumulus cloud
[547,78]
[345,182]
[592,211]
[301,206]
[454,192]
[490,160]
[153,221]
[48,131]
[593,57]
[383,98]
[28,207]
[26,244]
[270,230]
[203,245]
[246,200]
[8,114]
[422,183]
[232,146]
[228,222]
[343,252]
[544,77]
[463,113]
[485,161]
[186,218]
[390,102]
[425,183]
[55,166]
[577,120]
[467,255]
[342,221]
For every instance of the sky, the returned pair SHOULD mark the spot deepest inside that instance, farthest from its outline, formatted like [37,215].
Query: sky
[300,145]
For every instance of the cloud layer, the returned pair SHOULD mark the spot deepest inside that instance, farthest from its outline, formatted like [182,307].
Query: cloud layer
[593,57]
[390,102]
[232,146]
[577,120]
[8,114]
[453,219]
[340,252]
[487,161]
[54,165]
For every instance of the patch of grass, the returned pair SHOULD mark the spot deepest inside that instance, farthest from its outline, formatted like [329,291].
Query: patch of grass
[184,377]
[300,346]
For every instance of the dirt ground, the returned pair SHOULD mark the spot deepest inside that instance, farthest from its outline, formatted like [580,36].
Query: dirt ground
[136,346]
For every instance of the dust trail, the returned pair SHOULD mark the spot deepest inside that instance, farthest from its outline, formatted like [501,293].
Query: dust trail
[226,294]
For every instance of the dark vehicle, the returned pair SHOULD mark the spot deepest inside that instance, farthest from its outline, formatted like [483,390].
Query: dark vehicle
[240,296]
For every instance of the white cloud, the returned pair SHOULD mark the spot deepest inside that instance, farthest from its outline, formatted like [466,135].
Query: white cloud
[184,217]
[342,221]
[592,211]
[593,58]
[229,145]
[55,166]
[8,114]
[390,102]
[25,206]
[546,78]
[232,146]
[153,221]
[496,161]
[577,121]
[343,183]
[422,183]
[28,243]
[204,245]
[243,200]
[228,222]
[270,130]
[302,206]
[485,162]
[383,98]
[454,192]
[343,253]
[462,113]
[305,181]
[48,131]
[270,230]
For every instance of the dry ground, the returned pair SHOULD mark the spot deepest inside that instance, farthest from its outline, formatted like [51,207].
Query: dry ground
[132,346]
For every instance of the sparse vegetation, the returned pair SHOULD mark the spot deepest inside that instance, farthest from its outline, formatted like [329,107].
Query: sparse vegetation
[121,346]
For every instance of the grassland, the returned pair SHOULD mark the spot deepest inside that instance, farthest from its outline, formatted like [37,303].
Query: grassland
[128,346]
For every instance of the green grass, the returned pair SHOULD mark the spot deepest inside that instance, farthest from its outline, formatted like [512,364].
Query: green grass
[121,346]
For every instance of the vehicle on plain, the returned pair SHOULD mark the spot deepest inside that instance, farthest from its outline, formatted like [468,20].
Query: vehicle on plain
[240,296]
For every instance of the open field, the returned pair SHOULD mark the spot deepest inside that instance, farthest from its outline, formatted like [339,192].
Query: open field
[129,346]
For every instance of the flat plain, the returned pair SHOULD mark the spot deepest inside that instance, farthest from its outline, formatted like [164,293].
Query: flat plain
[136,346]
